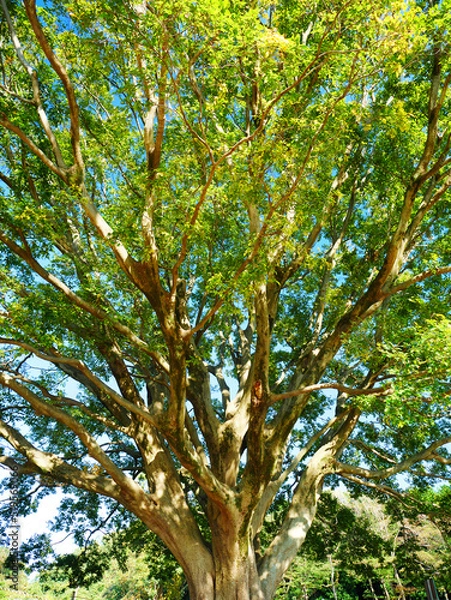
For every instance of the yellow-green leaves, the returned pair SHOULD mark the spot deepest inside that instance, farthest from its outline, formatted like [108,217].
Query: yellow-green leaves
[419,373]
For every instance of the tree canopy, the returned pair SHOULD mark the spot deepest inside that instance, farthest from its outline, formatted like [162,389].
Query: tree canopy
[225,261]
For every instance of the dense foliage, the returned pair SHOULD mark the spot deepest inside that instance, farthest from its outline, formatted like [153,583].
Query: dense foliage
[225,264]
[357,549]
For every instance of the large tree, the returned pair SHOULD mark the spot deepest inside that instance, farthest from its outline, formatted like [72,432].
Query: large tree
[225,261]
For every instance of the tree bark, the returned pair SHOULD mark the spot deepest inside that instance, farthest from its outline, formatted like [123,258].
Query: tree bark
[236,575]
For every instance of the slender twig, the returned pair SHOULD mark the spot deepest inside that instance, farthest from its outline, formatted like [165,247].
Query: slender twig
[379,391]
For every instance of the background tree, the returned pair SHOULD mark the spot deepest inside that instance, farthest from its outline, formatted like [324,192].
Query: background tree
[212,212]
[370,550]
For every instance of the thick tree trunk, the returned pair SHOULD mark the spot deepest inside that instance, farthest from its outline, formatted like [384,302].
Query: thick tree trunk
[235,578]
[242,583]
[235,574]
[201,583]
